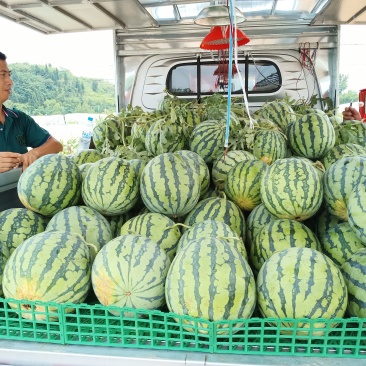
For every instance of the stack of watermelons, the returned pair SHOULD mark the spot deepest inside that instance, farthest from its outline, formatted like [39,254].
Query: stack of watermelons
[162,215]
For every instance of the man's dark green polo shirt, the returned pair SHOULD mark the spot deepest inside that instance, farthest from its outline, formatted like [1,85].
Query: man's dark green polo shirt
[20,131]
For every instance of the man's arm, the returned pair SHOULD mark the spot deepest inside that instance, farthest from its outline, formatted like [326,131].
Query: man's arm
[51,146]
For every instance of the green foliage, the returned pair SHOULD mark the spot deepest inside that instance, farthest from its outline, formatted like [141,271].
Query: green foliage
[45,90]
[348,97]
[343,83]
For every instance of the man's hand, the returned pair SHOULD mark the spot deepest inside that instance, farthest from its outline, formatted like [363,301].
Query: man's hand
[28,158]
[9,161]
[351,113]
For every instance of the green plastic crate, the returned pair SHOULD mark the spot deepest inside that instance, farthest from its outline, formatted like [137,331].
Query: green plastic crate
[96,325]
[137,328]
[21,321]
[322,337]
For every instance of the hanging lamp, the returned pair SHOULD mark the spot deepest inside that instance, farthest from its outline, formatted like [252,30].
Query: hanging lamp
[219,38]
[218,15]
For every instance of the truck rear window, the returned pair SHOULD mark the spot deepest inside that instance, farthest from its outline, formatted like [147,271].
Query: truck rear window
[263,77]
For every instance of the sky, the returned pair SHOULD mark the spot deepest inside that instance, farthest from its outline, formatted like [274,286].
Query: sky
[91,54]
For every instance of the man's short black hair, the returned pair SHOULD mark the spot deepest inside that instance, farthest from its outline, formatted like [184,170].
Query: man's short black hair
[2,57]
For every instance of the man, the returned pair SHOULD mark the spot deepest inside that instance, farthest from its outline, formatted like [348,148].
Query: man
[18,131]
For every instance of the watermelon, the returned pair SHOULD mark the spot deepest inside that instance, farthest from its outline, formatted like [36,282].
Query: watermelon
[111,186]
[86,156]
[356,211]
[269,146]
[209,279]
[92,226]
[50,184]
[52,266]
[4,256]
[354,273]
[225,162]
[278,112]
[207,140]
[170,185]
[323,222]
[138,133]
[215,229]
[139,165]
[163,137]
[117,222]
[279,235]
[340,242]
[157,227]
[84,168]
[257,218]
[17,225]
[340,179]
[311,136]
[201,167]
[291,189]
[301,283]
[219,209]
[242,185]
[342,151]
[130,271]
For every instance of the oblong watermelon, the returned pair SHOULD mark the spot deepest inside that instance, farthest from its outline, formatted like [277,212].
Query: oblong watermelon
[130,271]
[52,266]
[111,186]
[50,184]
[210,279]
[301,283]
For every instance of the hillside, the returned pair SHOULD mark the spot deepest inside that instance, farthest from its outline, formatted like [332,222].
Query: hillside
[45,90]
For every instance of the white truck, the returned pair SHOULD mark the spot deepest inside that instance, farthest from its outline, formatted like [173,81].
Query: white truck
[293,50]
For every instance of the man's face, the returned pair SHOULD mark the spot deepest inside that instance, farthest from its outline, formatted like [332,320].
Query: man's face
[5,82]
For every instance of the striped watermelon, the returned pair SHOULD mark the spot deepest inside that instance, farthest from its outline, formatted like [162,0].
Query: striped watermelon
[279,235]
[311,136]
[278,112]
[138,133]
[84,168]
[242,185]
[356,211]
[259,217]
[170,185]
[157,227]
[301,283]
[52,266]
[130,271]
[17,225]
[219,209]
[50,184]
[339,181]
[225,162]
[269,146]
[199,164]
[117,222]
[86,156]
[110,133]
[139,165]
[111,186]
[163,137]
[92,226]
[323,222]
[342,151]
[292,189]
[210,279]
[340,242]
[214,229]
[207,140]
[354,272]
[3,259]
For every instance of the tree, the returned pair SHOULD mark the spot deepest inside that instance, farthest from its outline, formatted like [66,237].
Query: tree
[348,97]
[343,83]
